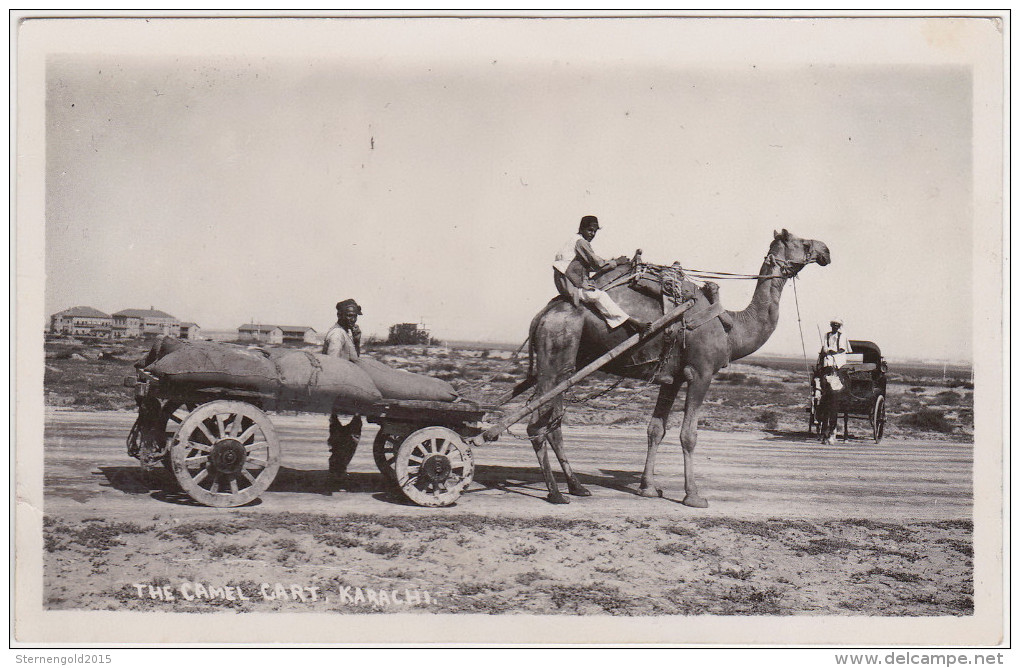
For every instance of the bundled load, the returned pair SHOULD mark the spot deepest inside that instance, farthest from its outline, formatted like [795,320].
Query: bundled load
[397,384]
[201,364]
[293,377]
[315,381]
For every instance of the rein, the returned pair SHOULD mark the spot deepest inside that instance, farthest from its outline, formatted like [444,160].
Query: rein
[786,270]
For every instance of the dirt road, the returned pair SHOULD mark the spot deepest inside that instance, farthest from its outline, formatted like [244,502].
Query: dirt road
[794,527]
[744,475]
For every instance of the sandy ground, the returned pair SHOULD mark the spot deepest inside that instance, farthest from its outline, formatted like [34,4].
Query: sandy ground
[794,527]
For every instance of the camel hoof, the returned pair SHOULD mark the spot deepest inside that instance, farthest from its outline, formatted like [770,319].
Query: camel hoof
[579,490]
[650,492]
[695,501]
[557,498]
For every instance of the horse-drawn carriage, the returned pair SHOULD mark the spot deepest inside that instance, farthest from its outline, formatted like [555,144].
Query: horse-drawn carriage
[857,391]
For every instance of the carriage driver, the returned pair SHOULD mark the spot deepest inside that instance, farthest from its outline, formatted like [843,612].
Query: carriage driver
[836,345]
[571,268]
[343,340]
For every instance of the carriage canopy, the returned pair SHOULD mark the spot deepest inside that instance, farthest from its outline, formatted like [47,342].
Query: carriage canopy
[869,352]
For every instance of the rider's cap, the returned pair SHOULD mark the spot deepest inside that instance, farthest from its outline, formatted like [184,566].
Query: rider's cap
[589,221]
[836,321]
[349,302]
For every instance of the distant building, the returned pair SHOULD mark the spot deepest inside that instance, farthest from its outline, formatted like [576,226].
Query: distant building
[134,322]
[126,327]
[409,333]
[260,333]
[82,321]
[190,330]
[298,334]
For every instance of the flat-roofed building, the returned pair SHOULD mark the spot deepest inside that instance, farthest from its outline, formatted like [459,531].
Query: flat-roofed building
[134,322]
[260,333]
[298,334]
[190,330]
[82,321]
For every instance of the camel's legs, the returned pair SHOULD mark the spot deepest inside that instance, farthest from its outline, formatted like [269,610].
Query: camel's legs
[543,429]
[656,430]
[555,439]
[538,441]
[556,339]
[696,390]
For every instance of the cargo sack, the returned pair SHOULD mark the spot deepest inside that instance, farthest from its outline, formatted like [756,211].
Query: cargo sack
[201,364]
[397,384]
[321,382]
[161,347]
[310,380]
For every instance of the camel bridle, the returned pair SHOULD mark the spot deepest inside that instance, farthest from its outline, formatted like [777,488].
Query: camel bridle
[787,268]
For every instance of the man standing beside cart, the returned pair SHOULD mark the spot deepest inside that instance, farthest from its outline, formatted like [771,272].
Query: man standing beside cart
[343,340]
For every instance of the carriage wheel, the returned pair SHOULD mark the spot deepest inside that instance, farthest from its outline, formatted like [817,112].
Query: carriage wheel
[226,453]
[175,414]
[433,466]
[385,452]
[878,419]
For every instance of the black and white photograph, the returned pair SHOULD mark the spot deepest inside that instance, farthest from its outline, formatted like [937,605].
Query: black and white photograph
[525,330]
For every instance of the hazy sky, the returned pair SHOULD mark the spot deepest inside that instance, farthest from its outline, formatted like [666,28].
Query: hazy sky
[435,178]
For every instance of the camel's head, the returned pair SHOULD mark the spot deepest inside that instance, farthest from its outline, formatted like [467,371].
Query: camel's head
[791,253]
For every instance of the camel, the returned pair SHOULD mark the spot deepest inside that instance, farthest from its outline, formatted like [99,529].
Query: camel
[565,336]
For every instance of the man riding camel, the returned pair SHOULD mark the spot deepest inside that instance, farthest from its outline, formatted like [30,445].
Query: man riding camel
[572,268]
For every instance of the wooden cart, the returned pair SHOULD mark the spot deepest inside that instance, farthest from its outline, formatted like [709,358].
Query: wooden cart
[223,450]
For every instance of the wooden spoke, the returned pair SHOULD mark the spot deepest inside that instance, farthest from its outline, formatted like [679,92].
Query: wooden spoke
[215,484]
[205,432]
[248,433]
[200,459]
[201,447]
[248,447]
[221,425]
[233,485]
[384,451]
[248,477]
[175,414]
[200,476]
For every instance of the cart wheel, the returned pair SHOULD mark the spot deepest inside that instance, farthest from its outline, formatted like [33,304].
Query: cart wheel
[433,466]
[385,452]
[878,419]
[175,415]
[226,453]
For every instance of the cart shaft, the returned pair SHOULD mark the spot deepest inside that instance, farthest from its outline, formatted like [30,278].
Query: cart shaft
[494,431]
